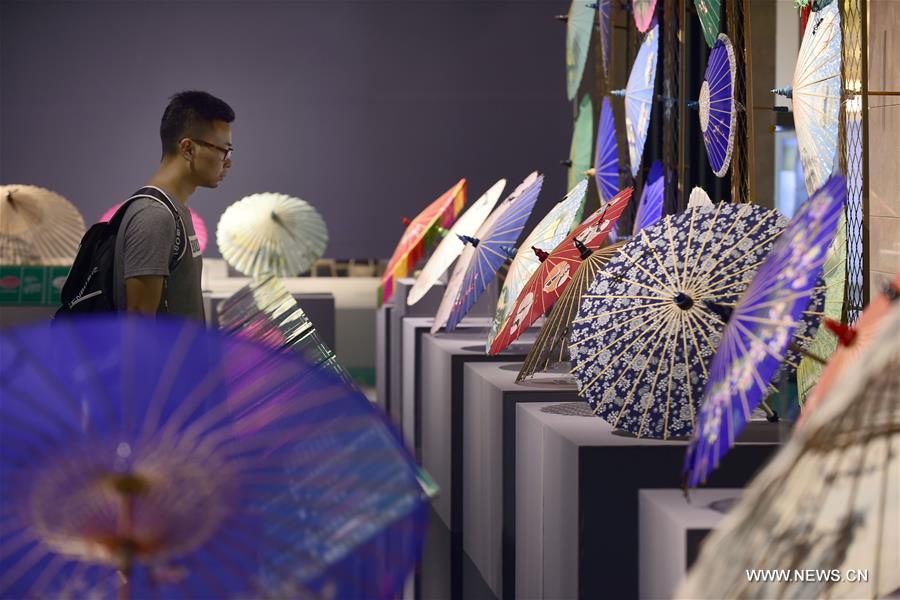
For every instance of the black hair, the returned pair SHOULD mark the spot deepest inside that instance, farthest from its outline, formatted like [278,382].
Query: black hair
[189,114]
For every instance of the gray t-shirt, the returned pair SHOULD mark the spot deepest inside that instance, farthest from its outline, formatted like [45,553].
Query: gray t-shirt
[144,247]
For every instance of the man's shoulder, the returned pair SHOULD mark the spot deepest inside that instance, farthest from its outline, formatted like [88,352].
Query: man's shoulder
[146,210]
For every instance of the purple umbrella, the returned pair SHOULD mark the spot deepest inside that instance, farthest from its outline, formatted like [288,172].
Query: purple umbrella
[717,107]
[650,208]
[606,157]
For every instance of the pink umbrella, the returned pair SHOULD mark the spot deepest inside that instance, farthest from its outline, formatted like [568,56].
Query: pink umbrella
[199,225]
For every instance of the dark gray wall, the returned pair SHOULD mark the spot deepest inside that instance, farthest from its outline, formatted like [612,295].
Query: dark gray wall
[366,109]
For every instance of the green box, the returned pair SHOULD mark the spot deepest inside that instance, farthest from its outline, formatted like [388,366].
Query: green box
[31,285]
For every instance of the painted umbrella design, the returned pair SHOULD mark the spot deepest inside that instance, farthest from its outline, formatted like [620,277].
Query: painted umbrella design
[710,14]
[816,95]
[196,221]
[37,227]
[271,233]
[606,156]
[579,26]
[761,327]
[556,270]
[452,245]
[828,501]
[486,252]
[717,107]
[644,333]
[420,235]
[643,13]
[582,143]
[650,208]
[638,96]
[160,459]
[552,229]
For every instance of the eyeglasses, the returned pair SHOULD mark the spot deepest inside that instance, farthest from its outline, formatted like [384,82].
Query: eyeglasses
[227,152]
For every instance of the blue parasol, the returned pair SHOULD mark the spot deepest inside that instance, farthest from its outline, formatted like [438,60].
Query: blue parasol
[159,459]
[761,326]
[717,107]
[606,156]
[639,98]
[650,208]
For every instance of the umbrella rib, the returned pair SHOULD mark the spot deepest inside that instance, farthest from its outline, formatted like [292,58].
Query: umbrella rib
[592,317]
[654,311]
[711,223]
[736,245]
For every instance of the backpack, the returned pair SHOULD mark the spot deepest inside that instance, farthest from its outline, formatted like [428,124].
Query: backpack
[90,285]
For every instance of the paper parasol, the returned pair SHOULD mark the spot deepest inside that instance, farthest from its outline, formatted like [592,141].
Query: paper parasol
[650,208]
[486,252]
[37,227]
[816,95]
[271,233]
[196,221]
[638,96]
[709,13]
[552,229]
[420,235]
[761,327]
[452,245]
[718,114]
[154,458]
[606,156]
[829,501]
[556,270]
[643,13]
[582,143]
[644,335]
[699,199]
[605,33]
[579,26]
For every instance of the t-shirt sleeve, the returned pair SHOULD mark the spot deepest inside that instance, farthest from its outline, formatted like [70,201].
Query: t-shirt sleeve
[149,237]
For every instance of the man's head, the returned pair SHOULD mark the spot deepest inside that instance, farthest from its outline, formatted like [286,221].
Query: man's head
[196,131]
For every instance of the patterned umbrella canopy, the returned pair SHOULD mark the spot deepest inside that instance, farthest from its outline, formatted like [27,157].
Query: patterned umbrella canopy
[816,95]
[644,334]
[37,227]
[582,143]
[556,270]
[643,13]
[552,229]
[491,246]
[144,458]
[196,221]
[638,96]
[760,328]
[420,235]
[709,12]
[452,245]
[717,107]
[829,501]
[606,156]
[579,26]
[650,208]
[605,33]
[271,233]
[551,345]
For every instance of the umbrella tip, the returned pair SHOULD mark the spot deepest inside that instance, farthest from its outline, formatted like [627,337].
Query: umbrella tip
[787,92]
[542,256]
[722,311]
[405,221]
[566,163]
[590,172]
[683,301]
[582,249]
[467,239]
[845,334]
[563,18]
[620,93]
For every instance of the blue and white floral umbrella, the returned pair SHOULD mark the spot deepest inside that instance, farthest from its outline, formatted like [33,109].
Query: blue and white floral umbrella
[606,156]
[643,335]
[761,327]
[717,107]
[650,208]
[638,96]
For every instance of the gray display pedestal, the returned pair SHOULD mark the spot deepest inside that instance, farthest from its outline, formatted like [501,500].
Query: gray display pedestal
[383,355]
[671,531]
[577,508]
[318,307]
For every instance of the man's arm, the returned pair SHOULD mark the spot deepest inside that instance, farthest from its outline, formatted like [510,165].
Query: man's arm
[143,294]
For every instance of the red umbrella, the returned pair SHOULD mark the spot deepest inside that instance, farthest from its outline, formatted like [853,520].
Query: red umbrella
[555,272]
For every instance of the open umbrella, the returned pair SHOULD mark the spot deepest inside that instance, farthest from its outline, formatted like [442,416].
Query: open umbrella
[271,233]
[552,229]
[420,235]
[605,32]
[717,107]
[816,95]
[556,269]
[551,345]
[491,246]
[37,227]
[709,12]
[196,221]
[582,143]
[579,26]
[154,458]
[761,327]
[650,208]
[638,96]
[452,245]
[606,156]
[699,199]
[828,502]
[644,333]
[643,13]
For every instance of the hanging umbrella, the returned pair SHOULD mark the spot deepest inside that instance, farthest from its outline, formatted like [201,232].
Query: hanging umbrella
[37,227]
[709,12]
[643,13]
[717,108]
[271,233]
[816,95]
[824,343]
[551,345]
[650,208]
[452,245]
[579,26]
[829,501]
[552,229]
[605,32]
[606,156]
[582,143]
[853,341]
[644,334]
[196,221]
[420,235]
[158,459]
[556,270]
[638,96]
[486,252]
[760,329]
[699,199]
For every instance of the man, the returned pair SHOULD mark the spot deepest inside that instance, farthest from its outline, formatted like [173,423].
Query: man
[196,152]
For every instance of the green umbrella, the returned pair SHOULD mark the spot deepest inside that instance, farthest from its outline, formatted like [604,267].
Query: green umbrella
[580,153]
[579,25]
[710,12]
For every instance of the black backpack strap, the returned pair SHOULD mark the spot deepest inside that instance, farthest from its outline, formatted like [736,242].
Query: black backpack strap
[179,249]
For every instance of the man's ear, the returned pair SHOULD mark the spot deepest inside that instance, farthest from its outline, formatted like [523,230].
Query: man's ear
[186,149]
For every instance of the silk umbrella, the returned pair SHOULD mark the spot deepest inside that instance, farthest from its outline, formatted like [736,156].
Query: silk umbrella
[650,207]
[579,26]
[582,143]
[718,113]
[638,96]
